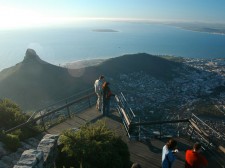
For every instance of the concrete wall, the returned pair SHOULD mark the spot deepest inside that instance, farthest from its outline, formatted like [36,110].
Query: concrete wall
[43,157]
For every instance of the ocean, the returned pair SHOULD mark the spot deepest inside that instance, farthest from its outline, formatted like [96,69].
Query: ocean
[105,39]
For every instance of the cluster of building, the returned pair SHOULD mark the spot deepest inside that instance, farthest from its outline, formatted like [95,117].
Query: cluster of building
[153,98]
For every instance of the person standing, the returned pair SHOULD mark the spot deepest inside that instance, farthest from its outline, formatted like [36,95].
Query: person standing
[168,151]
[106,98]
[98,90]
[193,158]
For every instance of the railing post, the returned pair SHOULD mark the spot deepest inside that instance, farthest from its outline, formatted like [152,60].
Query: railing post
[178,125]
[68,110]
[187,127]
[43,123]
[139,129]
[89,101]
[160,131]
[192,133]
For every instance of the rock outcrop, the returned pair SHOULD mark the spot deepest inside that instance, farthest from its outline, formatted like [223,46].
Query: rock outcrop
[31,56]
[9,159]
[42,157]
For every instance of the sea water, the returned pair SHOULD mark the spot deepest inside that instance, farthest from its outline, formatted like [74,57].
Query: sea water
[60,45]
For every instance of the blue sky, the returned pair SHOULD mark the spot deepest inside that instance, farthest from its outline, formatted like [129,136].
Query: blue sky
[16,13]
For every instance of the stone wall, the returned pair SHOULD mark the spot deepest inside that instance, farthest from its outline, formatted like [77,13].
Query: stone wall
[43,157]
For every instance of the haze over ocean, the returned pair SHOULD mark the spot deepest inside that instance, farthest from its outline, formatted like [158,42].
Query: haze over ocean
[59,45]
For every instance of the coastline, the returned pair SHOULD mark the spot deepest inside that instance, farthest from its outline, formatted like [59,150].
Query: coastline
[198,28]
[105,30]
[201,31]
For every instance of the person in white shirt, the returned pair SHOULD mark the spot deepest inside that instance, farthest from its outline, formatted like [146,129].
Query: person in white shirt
[98,90]
[168,152]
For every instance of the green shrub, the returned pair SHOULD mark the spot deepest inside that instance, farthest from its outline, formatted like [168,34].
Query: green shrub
[10,116]
[26,132]
[95,146]
[11,141]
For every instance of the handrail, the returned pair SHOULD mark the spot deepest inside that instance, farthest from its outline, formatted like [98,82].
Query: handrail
[134,124]
[30,120]
[59,101]
[133,115]
[158,122]
[211,138]
[199,120]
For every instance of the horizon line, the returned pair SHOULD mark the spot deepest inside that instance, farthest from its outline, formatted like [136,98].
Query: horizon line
[68,21]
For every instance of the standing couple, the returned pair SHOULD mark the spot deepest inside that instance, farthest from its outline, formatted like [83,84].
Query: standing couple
[104,94]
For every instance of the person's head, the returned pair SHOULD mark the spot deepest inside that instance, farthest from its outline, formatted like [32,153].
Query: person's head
[101,77]
[197,147]
[171,144]
[136,165]
[105,84]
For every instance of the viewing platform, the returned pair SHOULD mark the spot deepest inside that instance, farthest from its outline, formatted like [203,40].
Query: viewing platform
[148,152]
[145,138]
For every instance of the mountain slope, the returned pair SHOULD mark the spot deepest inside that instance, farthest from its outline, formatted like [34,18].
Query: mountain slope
[34,83]
[152,65]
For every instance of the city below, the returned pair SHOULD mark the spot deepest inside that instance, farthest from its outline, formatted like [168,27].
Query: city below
[199,89]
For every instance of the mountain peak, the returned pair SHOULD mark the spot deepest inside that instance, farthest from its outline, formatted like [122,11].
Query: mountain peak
[31,56]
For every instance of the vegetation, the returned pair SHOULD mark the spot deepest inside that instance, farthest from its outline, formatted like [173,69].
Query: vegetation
[10,116]
[147,63]
[95,146]
[34,83]
[11,141]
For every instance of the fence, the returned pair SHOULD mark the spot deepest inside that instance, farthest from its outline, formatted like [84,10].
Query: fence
[61,110]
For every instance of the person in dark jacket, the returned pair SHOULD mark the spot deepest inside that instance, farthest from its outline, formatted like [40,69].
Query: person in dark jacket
[107,94]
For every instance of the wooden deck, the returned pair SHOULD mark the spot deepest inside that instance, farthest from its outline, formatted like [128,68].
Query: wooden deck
[147,153]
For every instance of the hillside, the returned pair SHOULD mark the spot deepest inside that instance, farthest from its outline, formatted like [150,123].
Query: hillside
[34,83]
[152,65]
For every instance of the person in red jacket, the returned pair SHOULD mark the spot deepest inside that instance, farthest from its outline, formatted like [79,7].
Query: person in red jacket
[194,159]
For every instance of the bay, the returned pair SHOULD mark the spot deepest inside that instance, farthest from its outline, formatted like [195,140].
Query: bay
[60,45]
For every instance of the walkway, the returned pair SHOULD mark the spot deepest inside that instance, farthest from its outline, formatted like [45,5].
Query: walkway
[147,153]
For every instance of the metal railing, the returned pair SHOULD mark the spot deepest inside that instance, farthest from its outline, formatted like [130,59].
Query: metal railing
[207,134]
[137,127]
[61,110]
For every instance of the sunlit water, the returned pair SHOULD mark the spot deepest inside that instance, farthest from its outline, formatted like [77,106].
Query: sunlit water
[78,42]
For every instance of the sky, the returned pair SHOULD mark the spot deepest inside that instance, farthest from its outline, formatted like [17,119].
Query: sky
[36,13]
